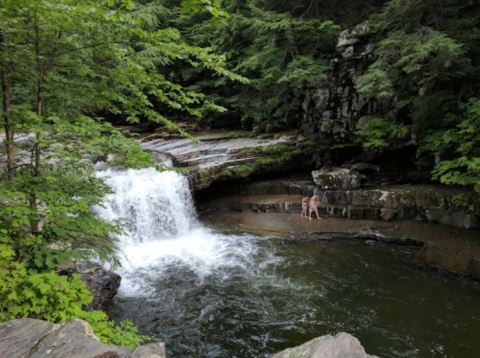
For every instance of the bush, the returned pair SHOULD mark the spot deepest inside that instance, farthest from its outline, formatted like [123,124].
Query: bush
[55,298]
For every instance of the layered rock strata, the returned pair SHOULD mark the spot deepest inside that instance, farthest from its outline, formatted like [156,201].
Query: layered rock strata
[214,158]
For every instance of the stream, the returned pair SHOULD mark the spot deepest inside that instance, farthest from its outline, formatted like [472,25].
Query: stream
[209,294]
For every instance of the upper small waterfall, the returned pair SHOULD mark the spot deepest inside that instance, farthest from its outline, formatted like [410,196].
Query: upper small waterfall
[152,205]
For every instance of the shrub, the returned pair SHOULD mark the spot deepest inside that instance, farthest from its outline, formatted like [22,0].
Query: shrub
[55,298]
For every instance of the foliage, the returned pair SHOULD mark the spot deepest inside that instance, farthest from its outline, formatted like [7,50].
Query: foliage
[379,133]
[64,66]
[426,69]
[459,149]
[283,57]
[63,62]
[54,298]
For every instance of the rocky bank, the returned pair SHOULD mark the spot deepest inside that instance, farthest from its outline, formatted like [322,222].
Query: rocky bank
[31,338]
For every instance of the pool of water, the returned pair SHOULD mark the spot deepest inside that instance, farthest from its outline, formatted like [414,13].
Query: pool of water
[212,295]
[209,294]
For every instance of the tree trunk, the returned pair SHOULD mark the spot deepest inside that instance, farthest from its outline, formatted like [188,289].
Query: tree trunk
[36,150]
[7,125]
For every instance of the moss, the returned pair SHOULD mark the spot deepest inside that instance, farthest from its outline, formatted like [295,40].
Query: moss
[222,134]
[278,153]
[242,169]
[466,202]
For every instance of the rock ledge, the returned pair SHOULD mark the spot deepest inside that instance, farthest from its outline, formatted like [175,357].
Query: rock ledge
[34,338]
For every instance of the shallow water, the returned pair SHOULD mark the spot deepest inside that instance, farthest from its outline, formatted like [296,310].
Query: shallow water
[208,294]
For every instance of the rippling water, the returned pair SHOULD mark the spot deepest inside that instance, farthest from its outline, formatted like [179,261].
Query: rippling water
[213,295]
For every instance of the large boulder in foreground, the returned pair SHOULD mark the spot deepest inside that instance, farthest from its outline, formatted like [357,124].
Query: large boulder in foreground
[75,339]
[342,345]
[335,179]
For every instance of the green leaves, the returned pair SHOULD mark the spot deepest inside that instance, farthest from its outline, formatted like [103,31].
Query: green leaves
[380,133]
[198,6]
[459,149]
[283,56]
[375,83]
[55,298]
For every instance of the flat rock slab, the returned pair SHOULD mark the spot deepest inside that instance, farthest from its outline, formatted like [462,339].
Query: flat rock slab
[34,338]
[213,158]
[342,345]
[447,247]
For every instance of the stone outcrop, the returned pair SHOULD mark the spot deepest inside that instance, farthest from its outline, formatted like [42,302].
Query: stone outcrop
[427,203]
[338,178]
[342,345]
[421,202]
[334,110]
[31,338]
[215,157]
[102,283]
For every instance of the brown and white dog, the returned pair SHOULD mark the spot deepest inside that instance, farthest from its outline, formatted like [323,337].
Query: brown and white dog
[305,202]
[313,206]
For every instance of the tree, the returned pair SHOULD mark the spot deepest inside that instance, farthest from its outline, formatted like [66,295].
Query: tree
[283,57]
[63,62]
[426,70]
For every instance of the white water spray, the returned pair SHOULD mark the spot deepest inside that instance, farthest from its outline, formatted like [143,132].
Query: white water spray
[162,232]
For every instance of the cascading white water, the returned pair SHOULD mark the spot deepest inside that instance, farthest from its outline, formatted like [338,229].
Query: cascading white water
[152,205]
[161,229]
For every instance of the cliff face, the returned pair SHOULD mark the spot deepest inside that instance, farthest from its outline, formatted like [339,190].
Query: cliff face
[335,110]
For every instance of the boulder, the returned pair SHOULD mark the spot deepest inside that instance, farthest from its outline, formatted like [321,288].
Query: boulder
[339,178]
[342,345]
[75,339]
[101,282]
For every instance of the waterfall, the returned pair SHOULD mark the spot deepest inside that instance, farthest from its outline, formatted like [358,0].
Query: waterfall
[152,205]
[161,231]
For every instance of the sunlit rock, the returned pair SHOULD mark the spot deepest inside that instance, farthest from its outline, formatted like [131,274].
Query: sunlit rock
[342,345]
[75,339]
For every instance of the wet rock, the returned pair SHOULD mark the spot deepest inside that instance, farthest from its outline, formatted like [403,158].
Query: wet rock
[387,214]
[75,339]
[339,178]
[102,283]
[452,217]
[342,345]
